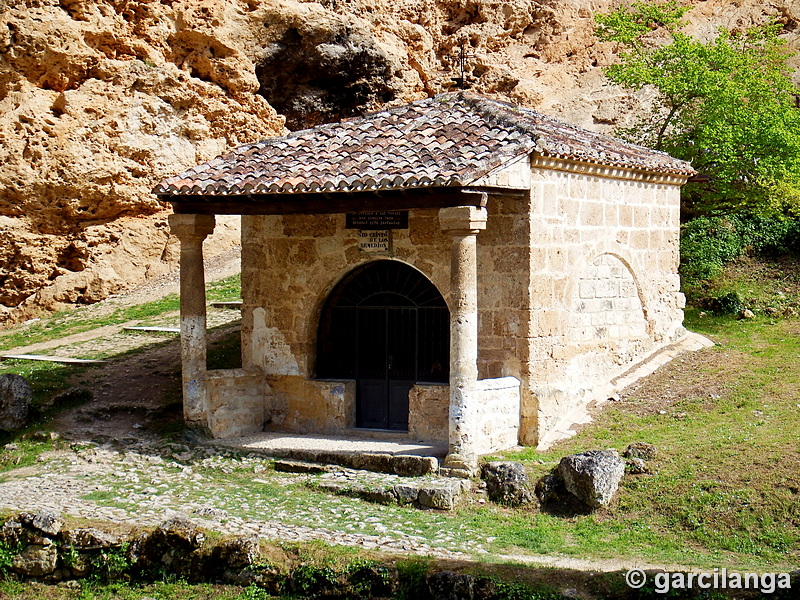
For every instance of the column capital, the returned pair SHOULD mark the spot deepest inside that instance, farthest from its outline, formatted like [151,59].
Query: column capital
[467,219]
[191,226]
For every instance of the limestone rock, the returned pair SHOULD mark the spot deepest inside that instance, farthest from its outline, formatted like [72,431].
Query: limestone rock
[592,476]
[36,560]
[414,466]
[99,101]
[15,399]
[237,553]
[636,466]
[89,538]
[45,521]
[442,495]
[506,482]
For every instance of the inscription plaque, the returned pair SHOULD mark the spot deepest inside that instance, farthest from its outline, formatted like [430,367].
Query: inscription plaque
[375,241]
[384,219]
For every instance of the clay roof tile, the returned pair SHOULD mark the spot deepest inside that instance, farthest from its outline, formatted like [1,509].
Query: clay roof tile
[448,140]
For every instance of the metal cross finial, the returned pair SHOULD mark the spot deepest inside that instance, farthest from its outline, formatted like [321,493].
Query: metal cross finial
[461,81]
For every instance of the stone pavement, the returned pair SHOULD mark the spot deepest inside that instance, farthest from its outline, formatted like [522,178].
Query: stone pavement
[144,484]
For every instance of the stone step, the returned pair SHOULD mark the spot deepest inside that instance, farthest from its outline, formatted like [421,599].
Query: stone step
[233,304]
[299,466]
[421,492]
[153,329]
[405,465]
[67,360]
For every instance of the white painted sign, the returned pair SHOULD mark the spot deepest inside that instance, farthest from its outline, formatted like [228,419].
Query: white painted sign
[375,241]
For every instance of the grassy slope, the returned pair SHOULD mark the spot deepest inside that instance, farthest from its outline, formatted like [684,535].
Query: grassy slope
[727,485]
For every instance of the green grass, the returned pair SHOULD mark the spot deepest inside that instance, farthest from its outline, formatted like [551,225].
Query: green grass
[177,590]
[81,319]
[727,485]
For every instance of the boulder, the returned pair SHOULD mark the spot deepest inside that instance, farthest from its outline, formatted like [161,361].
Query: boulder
[506,482]
[15,401]
[592,476]
[636,466]
[443,495]
[238,553]
[45,521]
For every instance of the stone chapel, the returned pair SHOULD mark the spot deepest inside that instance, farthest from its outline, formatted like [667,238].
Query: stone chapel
[455,269]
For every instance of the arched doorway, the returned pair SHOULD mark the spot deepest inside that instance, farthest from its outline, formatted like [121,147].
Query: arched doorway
[386,326]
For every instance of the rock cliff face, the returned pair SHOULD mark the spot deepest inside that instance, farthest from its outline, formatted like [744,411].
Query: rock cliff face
[100,99]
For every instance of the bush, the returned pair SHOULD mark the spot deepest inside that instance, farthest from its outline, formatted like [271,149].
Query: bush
[708,243]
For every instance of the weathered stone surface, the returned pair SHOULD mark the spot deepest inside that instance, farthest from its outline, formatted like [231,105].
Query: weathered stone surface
[506,482]
[296,466]
[45,521]
[237,553]
[641,450]
[89,538]
[373,461]
[405,493]
[592,476]
[414,466]
[36,560]
[550,488]
[443,495]
[15,400]
[636,466]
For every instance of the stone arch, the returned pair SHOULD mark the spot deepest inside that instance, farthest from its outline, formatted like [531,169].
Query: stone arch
[386,326]
[609,308]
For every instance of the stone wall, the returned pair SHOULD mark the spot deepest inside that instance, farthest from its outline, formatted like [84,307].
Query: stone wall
[235,401]
[429,412]
[498,414]
[291,263]
[604,285]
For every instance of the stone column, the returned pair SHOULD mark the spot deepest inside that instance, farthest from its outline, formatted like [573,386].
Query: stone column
[463,223]
[191,230]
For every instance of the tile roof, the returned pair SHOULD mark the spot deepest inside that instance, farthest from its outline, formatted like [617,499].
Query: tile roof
[450,140]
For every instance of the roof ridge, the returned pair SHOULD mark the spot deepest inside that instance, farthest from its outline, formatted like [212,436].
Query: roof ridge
[497,112]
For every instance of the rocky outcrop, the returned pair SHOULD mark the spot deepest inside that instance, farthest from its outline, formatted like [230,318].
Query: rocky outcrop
[15,400]
[100,99]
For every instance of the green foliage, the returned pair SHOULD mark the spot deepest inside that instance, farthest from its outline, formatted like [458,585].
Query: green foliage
[708,243]
[112,564]
[726,105]
[412,573]
[311,579]
[515,590]
[7,554]
[253,592]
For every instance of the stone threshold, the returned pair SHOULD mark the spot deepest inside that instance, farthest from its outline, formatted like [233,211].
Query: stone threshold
[441,493]
[381,456]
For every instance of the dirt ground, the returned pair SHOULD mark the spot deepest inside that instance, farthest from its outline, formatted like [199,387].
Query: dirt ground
[137,393]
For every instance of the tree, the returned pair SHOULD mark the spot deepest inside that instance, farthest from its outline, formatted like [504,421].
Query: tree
[728,106]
